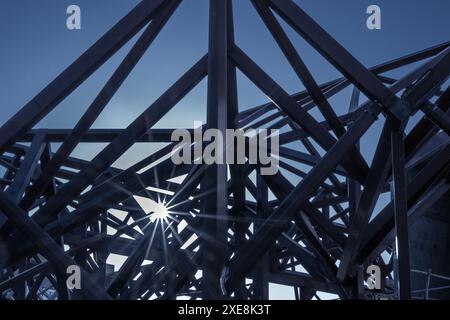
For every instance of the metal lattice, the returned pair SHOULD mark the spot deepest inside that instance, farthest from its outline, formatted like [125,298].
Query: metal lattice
[220,242]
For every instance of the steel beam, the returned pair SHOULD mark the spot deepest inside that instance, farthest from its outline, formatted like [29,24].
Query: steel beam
[400,212]
[215,179]
[78,71]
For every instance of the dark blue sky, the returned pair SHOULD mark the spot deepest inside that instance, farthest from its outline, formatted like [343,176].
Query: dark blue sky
[36,47]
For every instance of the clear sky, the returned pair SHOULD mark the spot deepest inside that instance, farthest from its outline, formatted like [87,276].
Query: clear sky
[36,46]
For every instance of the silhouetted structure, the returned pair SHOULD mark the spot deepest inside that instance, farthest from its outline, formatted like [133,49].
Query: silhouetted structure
[319,235]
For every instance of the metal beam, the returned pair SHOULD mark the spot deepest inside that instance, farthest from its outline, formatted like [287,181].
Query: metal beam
[100,102]
[252,250]
[119,145]
[78,71]
[54,253]
[329,48]
[215,178]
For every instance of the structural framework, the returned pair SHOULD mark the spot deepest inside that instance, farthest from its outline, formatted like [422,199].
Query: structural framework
[223,233]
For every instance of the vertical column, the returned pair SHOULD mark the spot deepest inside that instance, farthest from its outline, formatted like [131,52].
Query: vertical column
[215,181]
[262,273]
[400,211]
[237,174]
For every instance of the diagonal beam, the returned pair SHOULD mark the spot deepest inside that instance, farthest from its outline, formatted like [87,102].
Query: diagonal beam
[425,128]
[27,168]
[299,66]
[329,48]
[381,68]
[440,118]
[410,58]
[425,87]
[282,99]
[384,222]
[45,266]
[99,103]
[378,173]
[253,249]
[376,180]
[49,248]
[281,187]
[326,262]
[97,200]
[133,262]
[119,145]
[77,72]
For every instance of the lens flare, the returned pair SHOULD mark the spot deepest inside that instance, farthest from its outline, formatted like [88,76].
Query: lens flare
[160,212]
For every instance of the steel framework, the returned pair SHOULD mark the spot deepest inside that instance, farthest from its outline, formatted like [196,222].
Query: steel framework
[227,236]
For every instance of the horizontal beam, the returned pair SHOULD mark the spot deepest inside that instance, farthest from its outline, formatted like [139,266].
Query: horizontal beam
[99,135]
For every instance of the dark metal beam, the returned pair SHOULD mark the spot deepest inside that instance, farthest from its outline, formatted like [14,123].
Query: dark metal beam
[119,145]
[400,213]
[100,102]
[288,105]
[52,251]
[77,72]
[252,250]
[215,178]
[329,48]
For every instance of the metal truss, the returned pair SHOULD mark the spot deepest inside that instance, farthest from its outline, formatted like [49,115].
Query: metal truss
[229,234]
